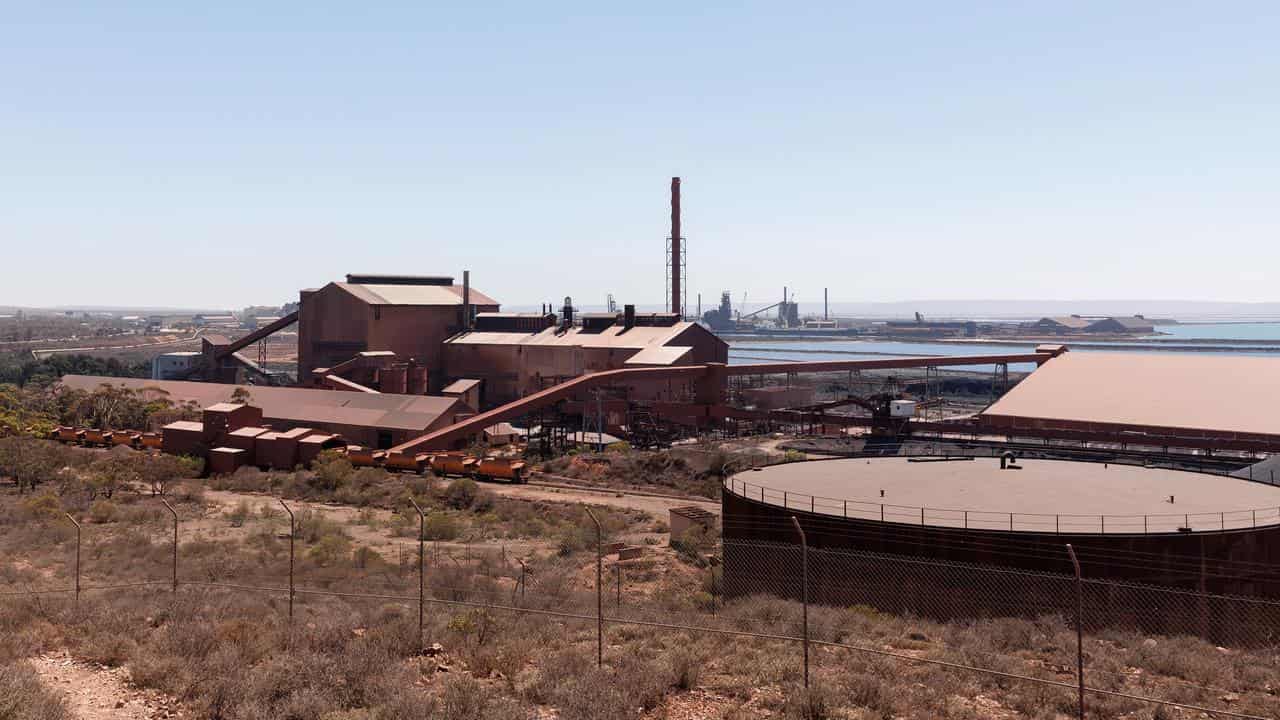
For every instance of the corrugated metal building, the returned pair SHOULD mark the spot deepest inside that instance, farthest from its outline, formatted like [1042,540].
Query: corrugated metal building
[369,419]
[408,315]
[1183,395]
[515,362]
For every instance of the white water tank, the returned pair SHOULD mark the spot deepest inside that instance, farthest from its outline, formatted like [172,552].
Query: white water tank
[902,408]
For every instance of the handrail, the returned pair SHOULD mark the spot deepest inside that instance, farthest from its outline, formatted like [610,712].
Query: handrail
[995,520]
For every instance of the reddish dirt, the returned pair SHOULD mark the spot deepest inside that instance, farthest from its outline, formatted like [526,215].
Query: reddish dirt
[94,692]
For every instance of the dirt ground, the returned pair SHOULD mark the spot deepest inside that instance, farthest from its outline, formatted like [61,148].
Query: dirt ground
[93,692]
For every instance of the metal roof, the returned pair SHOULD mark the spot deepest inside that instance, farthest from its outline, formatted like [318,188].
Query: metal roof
[460,386]
[635,338]
[429,295]
[1219,393]
[301,405]
[663,355]
[225,407]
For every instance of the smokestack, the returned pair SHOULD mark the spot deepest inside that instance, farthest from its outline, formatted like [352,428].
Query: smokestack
[628,317]
[567,317]
[675,247]
[466,299]
[825,315]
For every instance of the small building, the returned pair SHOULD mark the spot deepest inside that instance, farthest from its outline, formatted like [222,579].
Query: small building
[503,433]
[175,365]
[683,519]
[222,418]
[184,437]
[228,321]
[310,447]
[226,460]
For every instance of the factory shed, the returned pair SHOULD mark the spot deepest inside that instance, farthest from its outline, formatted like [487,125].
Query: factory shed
[407,315]
[375,420]
[515,363]
[1189,396]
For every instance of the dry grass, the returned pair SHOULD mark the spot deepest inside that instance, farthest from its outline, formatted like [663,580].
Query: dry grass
[232,654]
[24,697]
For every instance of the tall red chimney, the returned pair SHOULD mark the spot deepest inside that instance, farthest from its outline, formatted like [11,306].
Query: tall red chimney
[676,306]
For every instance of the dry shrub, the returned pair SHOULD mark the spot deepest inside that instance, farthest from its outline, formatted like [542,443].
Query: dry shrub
[24,697]
[813,703]
[1181,657]
[685,668]
[27,626]
[463,698]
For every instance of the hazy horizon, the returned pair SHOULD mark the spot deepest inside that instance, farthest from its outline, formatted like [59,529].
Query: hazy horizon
[1205,311]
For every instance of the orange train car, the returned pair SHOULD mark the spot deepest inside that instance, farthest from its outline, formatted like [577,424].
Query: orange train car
[68,434]
[452,464]
[152,441]
[492,468]
[128,438]
[94,436]
[365,457]
[406,462]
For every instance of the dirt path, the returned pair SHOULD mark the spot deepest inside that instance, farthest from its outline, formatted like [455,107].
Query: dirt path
[93,692]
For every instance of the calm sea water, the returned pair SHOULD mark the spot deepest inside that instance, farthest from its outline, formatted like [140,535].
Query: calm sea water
[1228,335]
[1224,331]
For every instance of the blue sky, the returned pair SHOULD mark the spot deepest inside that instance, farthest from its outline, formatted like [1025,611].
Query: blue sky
[230,153]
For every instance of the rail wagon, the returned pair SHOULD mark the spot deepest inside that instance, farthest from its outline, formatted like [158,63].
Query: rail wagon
[365,457]
[406,462]
[128,438]
[94,436]
[68,434]
[453,464]
[492,468]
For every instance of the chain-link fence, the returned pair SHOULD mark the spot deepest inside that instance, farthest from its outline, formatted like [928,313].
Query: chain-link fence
[1009,625]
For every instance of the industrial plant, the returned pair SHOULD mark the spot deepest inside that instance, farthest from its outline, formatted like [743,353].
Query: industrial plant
[416,372]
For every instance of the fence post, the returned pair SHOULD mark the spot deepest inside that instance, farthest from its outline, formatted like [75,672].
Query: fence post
[77,524]
[292,532]
[522,581]
[422,554]
[804,594]
[618,604]
[1079,628]
[175,543]
[599,589]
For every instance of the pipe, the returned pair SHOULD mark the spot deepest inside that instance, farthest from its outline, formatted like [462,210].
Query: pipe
[466,299]
[676,306]
[825,314]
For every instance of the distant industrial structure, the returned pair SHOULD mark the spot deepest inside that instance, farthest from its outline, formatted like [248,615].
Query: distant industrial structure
[1073,324]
